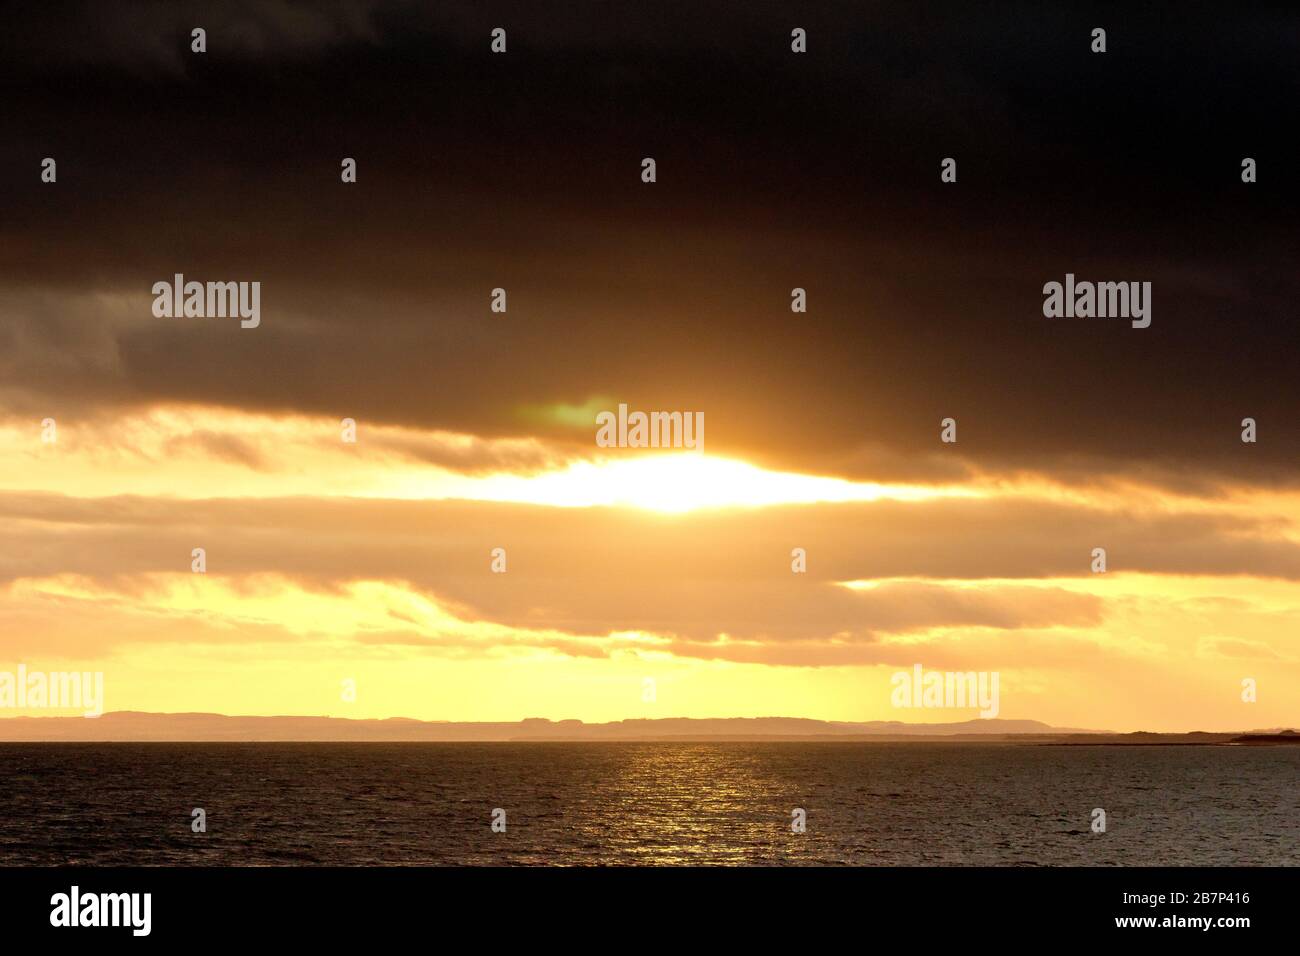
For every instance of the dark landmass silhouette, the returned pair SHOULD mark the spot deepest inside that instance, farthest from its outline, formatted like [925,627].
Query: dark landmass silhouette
[1285,737]
[136,726]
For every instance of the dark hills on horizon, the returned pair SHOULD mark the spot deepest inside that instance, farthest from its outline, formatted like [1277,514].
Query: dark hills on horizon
[136,726]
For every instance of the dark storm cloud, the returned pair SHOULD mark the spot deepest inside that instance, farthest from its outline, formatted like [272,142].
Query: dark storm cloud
[141,38]
[775,170]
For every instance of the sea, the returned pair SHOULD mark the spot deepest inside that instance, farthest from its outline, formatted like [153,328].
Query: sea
[659,804]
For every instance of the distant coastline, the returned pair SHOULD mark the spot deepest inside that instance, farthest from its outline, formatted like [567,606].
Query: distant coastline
[135,726]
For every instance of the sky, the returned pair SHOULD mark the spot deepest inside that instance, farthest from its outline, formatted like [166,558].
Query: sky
[355,578]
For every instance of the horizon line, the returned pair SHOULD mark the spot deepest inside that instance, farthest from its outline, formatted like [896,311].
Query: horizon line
[180,727]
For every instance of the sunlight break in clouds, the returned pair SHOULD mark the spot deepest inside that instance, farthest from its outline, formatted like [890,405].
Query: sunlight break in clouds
[196,453]
[678,483]
[370,558]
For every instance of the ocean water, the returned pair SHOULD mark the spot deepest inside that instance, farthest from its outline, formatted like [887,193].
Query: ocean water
[647,803]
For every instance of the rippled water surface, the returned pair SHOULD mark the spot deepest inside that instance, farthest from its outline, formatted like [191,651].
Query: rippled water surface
[647,803]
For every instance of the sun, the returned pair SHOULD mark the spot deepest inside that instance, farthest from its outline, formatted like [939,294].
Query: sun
[681,482]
